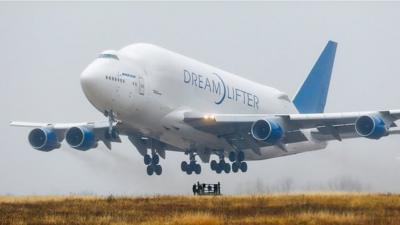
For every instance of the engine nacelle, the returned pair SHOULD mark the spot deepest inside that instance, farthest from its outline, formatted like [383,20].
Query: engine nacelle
[43,139]
[372,127]
[268,131]
[81,138]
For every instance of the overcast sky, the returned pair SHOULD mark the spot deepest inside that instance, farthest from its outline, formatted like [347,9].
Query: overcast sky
[45,46]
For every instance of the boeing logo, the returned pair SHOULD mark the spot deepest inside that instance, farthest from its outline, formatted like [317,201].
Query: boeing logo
[218,87]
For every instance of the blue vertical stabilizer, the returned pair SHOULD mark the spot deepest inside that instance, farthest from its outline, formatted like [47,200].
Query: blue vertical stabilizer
[311,97]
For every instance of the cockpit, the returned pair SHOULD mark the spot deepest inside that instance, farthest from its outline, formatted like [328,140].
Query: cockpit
[109,54]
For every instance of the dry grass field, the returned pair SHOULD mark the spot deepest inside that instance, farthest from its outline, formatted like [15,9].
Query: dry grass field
[257,209]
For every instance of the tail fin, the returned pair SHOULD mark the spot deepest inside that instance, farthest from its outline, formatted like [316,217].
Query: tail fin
[311,97]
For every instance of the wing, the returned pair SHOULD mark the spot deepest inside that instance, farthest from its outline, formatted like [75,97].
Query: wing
[100,131]
[59,126]
[338,126]
[237,128]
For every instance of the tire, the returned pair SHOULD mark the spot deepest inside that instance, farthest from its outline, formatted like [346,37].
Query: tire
[235,167]
[243,167]
[197,169]
[147,159]
[150,170]
[213,165]
[184,166]
[227,168]
[189,170]
[221,164]
[158,170]
[156,159]
[219,168]
[232,156]
[240,156]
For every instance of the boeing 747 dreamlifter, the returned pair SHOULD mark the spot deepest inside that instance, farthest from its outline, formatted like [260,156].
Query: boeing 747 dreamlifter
[163,101]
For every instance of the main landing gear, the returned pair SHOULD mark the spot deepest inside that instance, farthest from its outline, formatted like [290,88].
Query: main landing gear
[152,163]
[191,166]
[237,163]
[220,166]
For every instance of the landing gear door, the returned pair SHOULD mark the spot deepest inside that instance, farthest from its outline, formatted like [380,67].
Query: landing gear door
[141,85]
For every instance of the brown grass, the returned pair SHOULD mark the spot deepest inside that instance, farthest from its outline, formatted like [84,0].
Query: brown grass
[186,210]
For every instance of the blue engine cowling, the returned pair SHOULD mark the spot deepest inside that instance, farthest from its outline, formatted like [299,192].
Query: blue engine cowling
[268,131]
[81,138]
[43,139]
[372,127]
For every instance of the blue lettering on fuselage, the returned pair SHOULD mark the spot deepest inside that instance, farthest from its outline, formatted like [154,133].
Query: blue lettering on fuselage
[220,89]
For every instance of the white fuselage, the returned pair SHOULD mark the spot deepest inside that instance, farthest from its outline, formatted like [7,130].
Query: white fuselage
[149,88]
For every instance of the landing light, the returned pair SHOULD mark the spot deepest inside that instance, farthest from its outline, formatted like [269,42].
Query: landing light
[209,117]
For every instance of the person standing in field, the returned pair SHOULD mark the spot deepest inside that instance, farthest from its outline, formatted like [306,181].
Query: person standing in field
[194,189]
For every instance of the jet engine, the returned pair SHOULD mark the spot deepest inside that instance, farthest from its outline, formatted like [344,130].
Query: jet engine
[268,131]
[81,138]
[43,139]
[372,127]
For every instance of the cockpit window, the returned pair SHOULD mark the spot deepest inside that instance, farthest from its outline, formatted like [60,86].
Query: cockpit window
[108,56]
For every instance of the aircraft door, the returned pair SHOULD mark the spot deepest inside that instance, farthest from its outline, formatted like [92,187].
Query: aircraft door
[141,85]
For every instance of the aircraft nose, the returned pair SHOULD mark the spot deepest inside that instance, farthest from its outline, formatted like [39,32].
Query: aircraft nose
[89,81]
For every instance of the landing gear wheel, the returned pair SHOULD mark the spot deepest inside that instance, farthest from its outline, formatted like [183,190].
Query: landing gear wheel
[235,167]
[156,159]
[184,166]
[150,170]
[197,168]
[240,156]
[232,156]
[147,159]
[158,169]
[213,165]
[243,167]
[218,169]
[227,168]
[221,164]
[189,170]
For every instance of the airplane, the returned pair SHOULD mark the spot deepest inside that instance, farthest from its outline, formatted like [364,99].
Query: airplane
[163,101]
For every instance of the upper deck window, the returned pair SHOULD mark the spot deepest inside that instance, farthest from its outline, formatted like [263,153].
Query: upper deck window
[109,54]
